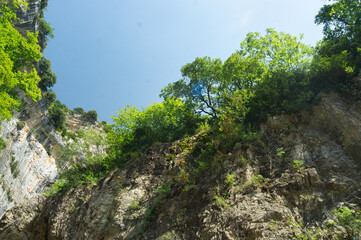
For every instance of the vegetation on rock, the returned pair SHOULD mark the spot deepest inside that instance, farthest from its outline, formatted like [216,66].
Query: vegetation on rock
[17,57]
[213,117]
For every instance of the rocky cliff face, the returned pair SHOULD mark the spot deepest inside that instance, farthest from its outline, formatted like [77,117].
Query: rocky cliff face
[27,17]
[29,162]
[285,184]
[26,168]
[26,164]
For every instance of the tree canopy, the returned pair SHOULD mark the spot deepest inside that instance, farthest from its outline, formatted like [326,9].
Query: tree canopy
[199,86]
[256,78]
[17,57]
[159,122]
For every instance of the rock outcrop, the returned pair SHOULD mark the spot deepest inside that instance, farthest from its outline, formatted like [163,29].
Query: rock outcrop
[26,168]
[28,17]
[283,185]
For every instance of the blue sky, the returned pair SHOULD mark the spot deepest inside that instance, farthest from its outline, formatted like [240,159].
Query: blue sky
[112,53]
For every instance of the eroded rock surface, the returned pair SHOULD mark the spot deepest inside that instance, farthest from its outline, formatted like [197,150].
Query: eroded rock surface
[26,169]
[154,198]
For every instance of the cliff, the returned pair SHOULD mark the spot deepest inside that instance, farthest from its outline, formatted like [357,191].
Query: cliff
[283,184]
[28,17]
[297,177]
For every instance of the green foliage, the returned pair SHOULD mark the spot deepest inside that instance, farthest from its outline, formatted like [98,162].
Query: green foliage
[278,51]
[255,181]
[159,122]
[79,110]
[268,75]
[86,167]
[242,72]
[230,180]
[221,202]
[88,173]
[57,114]
[134,205]
[80,148]
[2,144]
[17,57]
[46,29]
[7,9]
[350,220]
[199,85]
[47,76]
[298,165]
[50,96]
[283,84]
[80,133]
[14,167]
[57,187]
[71,135]
[338,58]
[161,194]
[342,25]
[91,116]
[280,152]
[205,157]
[9,195]
[44,4]
[221,199]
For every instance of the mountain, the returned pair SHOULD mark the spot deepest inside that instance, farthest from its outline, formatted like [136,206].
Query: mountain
[283,183]
[294,175]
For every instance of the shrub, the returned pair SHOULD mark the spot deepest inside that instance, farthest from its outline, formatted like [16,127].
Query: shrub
[80,133]
[50,96]
[135,205]
[14,167]
[79,110]
[221,202]
[57,115]
[91,116]
[2,144]
[159,122]
[71,135]
[350,220]
[47,76]
[88,172]
[298,165]
[57,187]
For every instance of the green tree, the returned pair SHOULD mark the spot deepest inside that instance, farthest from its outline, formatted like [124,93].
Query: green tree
[17,57]
[57,114]
[50,96]
[342,26]
[278,50]
[47,76]
[241,73]
[159,122]
[268,75]
[200,85]
[240,76]
[91,116]
[338,57]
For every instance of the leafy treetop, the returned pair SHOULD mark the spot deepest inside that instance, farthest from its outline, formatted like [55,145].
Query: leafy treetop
[17,57]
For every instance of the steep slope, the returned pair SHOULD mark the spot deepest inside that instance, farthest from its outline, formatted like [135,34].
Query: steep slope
[26,164]
[29,160]
[256,191]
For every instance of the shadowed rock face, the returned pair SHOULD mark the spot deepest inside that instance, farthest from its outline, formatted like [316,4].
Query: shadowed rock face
[27,17]
[152,198]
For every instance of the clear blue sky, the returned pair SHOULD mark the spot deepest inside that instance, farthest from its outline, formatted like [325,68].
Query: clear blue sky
[111,53]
